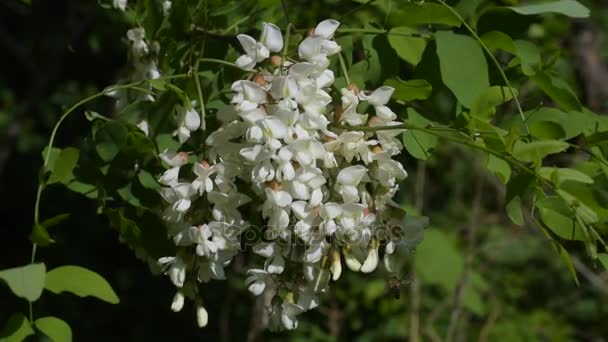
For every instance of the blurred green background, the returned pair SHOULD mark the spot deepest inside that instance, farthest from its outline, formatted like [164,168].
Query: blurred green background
[476,275]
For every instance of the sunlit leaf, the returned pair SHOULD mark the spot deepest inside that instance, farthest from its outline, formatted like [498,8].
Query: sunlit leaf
[464,69]
[55,328]
[25,281]
[417,143]
[537,150]
[81,282]
[410,90]
[569,8]
[410,49]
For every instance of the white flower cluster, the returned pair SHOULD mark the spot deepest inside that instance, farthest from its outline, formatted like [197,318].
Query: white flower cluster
[321,177]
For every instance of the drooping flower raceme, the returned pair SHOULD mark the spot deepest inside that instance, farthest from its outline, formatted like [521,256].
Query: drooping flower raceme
[307,159]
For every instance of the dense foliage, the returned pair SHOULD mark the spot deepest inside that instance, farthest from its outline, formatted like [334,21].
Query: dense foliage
[222,156]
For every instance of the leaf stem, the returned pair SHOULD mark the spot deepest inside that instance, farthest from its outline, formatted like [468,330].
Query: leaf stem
[199,89]
[285,46]
[343,68]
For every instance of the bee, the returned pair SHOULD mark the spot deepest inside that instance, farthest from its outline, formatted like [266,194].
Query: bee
[394,285]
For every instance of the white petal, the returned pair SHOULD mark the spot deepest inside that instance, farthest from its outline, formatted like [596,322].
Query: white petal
[274,128]
[371,262]
[351,175]
[248,44]
[385,113]
[327,28]
[272,37]
[245,62]
[253,92]
[379,97]
[275,265]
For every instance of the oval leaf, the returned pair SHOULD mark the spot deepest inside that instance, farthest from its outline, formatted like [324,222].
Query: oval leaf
[55,328]
[410,49]
[81,282]
[570,8]
[464,69]
[537,150]
[26,281]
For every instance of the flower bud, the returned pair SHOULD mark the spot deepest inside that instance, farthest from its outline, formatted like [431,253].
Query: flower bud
[373,121]
[202,317]
[259,80]
[276,60]
[178,302]
[353,87]
[336,265]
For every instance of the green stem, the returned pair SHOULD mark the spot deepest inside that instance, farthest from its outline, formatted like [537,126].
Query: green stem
[235,24]
[199,90]
[383,31]
[285,46]
[218,61]
[343,68]
[494,60]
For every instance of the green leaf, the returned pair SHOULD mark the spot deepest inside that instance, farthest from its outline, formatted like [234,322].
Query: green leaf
[485,104]
[464,69]
[514,211]
[55,152]
[560,175]
[529,56]
[526,52]
[410,90]
[147,180]
[587,214]
[557,90]
[410,49]
[572,123]
[517,187]
[499,167]
[556,215]
[563,253]
[110,139]
[81,282]
[55,328]
[418,144]
[414,14]
[570,8]
[127,228]
[55,220]
[597,139]
[603,258]
[64,166]
[16,329]
[546,130]
[438,261]
[41,236]
[26,281]
[535,151]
